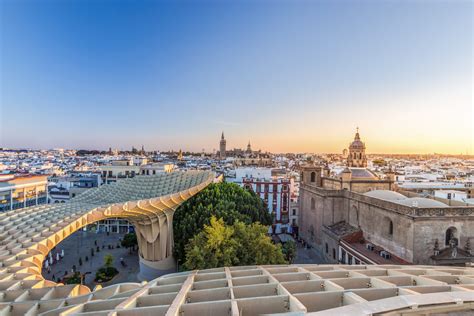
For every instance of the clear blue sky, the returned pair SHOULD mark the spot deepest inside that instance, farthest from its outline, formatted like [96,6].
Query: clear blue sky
[288,75]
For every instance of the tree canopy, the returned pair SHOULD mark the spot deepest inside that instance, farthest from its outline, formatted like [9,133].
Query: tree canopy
[219,245]
[289,250]
[129,241]
[108,260]
[227,201]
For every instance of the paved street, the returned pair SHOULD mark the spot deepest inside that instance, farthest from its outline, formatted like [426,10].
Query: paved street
[79,245]
[305,256]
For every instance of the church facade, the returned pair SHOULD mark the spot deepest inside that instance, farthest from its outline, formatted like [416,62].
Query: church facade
[357,217]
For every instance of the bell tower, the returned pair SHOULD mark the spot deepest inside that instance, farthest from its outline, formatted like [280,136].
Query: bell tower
[222,147]
[357,157]
[311,175]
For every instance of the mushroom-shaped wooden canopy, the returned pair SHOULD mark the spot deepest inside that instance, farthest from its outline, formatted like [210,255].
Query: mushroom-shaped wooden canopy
[28,235]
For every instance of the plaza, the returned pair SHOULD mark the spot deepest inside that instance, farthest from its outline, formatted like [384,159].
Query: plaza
[79,245]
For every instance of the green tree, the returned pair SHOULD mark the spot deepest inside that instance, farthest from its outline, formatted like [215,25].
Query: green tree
[219,245]
[289,250]
[379,162]
[227,201]
[130,241]
[108,260]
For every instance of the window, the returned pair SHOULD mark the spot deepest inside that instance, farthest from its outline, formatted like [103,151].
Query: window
[327,248]
[387,229]
[284,203]
[313,204]
[294,212]
[313,176]
[334,253]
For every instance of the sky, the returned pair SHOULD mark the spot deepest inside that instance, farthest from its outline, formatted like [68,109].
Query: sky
[288,76]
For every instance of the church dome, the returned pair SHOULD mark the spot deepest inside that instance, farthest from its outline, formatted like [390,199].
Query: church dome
[357,144]
[386,195]
[398,198]
[421,202]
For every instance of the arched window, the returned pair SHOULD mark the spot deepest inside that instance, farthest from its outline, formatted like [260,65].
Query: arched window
[451,232]
[313,176]
[388,227]
[313,204]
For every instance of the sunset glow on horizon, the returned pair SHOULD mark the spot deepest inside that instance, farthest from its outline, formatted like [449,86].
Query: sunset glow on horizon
[286,76]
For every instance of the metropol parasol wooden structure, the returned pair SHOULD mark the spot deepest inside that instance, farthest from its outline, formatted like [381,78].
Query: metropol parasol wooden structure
[28,235]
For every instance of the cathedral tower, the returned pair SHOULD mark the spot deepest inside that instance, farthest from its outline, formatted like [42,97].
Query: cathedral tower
[357,157]
[222,146]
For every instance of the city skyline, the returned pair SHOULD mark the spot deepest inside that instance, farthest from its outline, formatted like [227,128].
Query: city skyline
[290,77]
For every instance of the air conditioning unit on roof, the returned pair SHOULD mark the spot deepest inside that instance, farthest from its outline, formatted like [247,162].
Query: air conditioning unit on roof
[386,255]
